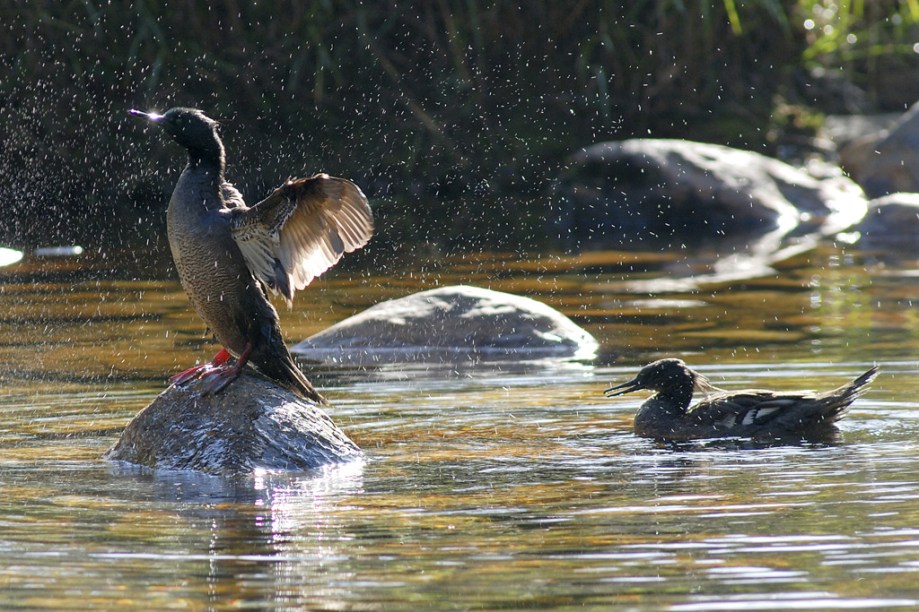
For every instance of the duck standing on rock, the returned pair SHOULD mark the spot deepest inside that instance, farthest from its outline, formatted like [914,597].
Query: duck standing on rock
[227,254]
[751,413]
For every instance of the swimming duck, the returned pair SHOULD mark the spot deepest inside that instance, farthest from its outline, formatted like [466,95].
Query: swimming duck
[752,413]
[229,255]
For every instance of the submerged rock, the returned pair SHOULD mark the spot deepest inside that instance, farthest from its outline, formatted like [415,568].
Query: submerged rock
[251,424]
[451,324]
[658,192]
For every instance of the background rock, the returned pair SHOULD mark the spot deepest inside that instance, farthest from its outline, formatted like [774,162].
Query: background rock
[251,424]
[641,192]
[842,130]
[892,222]
[887,161]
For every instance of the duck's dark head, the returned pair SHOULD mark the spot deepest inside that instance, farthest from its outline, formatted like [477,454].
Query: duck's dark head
[193,130]
[664,376]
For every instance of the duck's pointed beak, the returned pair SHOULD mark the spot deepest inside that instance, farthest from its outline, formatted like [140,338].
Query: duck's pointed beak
[626,387]
[148,116]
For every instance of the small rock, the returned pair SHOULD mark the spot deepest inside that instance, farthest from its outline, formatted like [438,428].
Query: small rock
[251,424]
[451,325]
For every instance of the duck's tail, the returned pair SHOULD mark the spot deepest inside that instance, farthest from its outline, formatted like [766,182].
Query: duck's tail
[277,363]
[837,401]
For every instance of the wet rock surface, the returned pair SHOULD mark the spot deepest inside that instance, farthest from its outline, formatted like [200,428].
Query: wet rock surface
[251,424]
[451,324]
[644,192]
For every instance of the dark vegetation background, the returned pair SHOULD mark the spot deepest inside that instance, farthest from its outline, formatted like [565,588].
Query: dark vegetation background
[455,116]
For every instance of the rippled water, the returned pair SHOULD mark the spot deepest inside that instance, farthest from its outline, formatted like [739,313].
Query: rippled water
[492,487]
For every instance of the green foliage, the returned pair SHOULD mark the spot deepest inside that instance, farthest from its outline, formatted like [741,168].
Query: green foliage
[429,105]
[869,43]
[841,31]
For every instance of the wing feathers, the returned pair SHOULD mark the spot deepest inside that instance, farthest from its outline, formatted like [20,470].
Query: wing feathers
[301,230]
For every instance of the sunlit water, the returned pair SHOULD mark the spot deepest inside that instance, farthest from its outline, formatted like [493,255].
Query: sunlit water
[504,486]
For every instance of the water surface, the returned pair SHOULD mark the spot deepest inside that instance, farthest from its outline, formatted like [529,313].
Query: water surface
[501,486]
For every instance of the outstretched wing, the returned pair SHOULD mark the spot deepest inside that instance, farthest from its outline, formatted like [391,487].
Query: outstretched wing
[301,230]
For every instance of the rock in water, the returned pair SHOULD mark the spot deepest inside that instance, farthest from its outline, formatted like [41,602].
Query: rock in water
[252,424]
[646,193]
[454,324]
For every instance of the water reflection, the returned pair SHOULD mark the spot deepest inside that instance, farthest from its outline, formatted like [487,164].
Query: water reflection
[509,486]
[265,537]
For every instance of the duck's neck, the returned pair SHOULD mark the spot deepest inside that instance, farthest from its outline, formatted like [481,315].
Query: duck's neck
[669,404]
[198,188]
[680,396]
[204,172]
[209,156]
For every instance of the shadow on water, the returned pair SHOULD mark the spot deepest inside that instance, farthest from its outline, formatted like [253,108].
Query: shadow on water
[488,485]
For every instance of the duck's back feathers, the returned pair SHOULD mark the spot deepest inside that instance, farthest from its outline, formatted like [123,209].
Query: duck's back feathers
[746,408]
[301,230]
[754,411]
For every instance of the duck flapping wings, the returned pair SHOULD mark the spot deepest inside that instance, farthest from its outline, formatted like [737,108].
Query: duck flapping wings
[299,231]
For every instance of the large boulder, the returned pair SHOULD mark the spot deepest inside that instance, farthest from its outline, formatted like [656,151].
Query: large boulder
[449,325]
[251,424]
[892,224]
[644,193]
[887,161]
